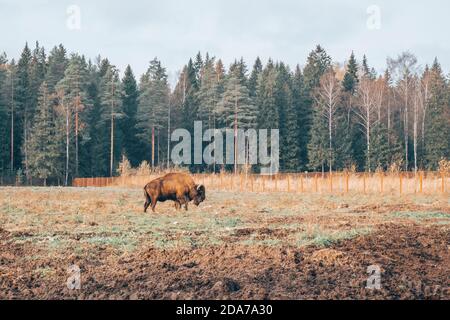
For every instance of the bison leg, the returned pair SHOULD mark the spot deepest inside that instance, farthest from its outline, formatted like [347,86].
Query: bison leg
[177,205]
[153,204]
[186,201]
[146,204]
[183,200]
[147,201]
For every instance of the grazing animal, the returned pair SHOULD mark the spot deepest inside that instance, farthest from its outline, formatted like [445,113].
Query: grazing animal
[178,187]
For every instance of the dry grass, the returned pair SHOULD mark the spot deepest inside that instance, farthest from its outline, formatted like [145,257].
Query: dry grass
[81,217]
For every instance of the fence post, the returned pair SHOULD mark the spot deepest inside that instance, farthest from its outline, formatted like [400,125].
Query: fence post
[289,183]
[331,182]
[316,181]
[381,182]
[421,182]
[364,180]
[346,182]
[401,183]
[276,182]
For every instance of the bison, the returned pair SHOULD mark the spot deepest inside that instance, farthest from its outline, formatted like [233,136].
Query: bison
[178,187]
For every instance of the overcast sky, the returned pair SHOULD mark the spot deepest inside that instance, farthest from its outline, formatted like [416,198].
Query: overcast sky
[133,32]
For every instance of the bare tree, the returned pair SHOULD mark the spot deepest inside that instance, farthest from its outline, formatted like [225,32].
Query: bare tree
[418,105]
[366,109]
[327,98]
[403,68]
[425,83]
[380,86]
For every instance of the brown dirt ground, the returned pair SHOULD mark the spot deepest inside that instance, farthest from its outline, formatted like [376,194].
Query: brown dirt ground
[414,261]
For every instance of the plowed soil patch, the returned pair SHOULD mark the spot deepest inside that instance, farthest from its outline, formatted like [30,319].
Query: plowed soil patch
[414,263]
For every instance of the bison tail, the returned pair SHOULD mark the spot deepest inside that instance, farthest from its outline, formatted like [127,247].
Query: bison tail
[147,196]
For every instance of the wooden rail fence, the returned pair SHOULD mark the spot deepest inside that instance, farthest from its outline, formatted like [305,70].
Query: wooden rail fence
[339,182]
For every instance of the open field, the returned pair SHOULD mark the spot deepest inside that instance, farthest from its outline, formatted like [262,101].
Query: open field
[237,245]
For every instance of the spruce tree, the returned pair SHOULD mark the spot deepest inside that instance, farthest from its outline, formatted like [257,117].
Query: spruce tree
[351,75]
[288,126]
[23,103]
[43,147]
[268,117]
[128,122]
[437,128]
[302,114]
[318,62]
[365,67]
[253,80]
[318,144]
[198,67]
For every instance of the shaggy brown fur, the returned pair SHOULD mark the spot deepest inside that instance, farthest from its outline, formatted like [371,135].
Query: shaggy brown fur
[178,187]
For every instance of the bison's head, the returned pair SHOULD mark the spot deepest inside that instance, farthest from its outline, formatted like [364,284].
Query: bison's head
[200,194]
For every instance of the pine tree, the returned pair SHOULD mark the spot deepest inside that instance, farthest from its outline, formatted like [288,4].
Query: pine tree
[153,104]
[4,123]
[128,122]
[43,147]
[73,88]
[208,95]
[236,105]
[236,109]
[97,159]
[57,64]
[11,116]
[37,74]
[110,95]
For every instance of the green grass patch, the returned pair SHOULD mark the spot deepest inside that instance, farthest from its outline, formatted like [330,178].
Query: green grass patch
[419,216]
[325,238]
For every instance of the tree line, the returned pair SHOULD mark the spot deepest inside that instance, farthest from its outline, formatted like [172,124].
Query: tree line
[64,116]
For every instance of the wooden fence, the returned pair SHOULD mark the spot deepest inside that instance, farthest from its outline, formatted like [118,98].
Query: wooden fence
[339,182]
